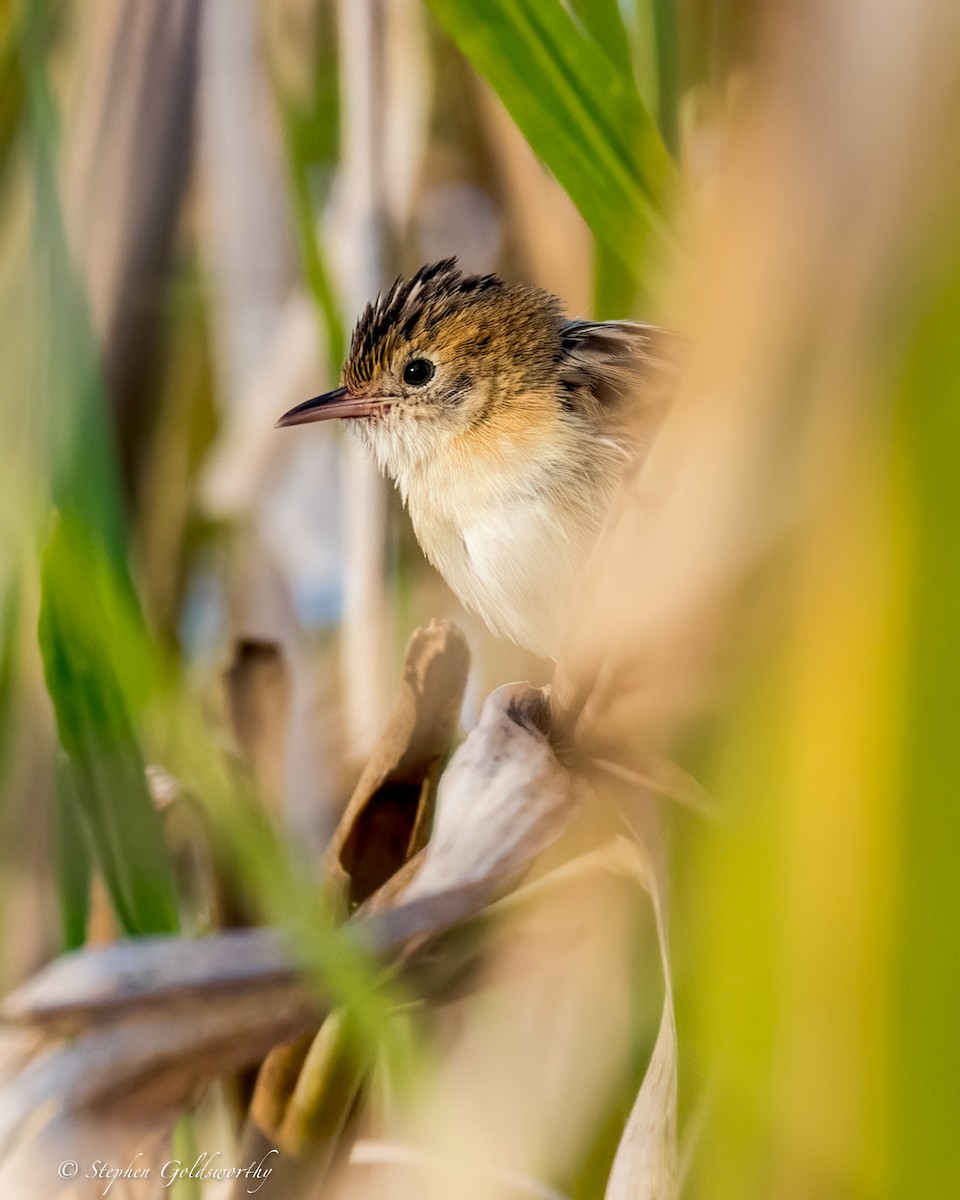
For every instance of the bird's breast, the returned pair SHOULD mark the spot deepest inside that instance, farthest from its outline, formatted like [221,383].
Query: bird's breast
[512,549]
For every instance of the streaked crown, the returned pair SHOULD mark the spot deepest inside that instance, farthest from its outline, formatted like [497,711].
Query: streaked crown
[477,324]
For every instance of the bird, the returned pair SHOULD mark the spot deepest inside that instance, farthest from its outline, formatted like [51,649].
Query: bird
[507,428]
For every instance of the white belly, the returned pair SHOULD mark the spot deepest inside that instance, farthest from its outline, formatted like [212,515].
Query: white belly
[518,563]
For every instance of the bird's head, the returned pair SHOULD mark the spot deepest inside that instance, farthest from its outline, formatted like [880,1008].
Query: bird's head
[443,358]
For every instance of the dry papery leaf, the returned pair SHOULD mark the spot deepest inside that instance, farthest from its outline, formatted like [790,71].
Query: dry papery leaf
[105,1043]
[646,1167]
[525,1067]
[390,813]
[503,800]
[306,1091]
[257,691]
[122,203]
[151,1020]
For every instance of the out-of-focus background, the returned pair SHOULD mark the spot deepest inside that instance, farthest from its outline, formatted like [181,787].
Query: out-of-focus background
[196,199]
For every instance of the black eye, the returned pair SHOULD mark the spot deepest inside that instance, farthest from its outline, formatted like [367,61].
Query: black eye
[418,371]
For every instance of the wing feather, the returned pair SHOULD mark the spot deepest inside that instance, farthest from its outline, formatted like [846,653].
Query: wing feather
[618,377]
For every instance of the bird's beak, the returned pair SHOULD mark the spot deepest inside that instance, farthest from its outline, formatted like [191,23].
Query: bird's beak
[338,403]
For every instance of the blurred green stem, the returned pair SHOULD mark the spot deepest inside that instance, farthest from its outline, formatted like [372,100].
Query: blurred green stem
[311,249]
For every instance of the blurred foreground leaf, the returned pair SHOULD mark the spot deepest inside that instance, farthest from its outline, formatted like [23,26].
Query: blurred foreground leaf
[97,658]
[926,1050]
[86,638]
[72,860]
[9,613]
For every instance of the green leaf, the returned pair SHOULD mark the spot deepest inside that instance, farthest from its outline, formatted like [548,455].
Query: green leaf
[656,45]
[80,450]
[11,102]
[603,21]
[72,860]
[926,1049]
[86,641]
[668,71]
[99,664]
[315,266]
[9,627]
[615,285]
[579,111]
[310,123]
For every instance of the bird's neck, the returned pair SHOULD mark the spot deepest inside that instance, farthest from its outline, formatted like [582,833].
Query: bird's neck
[484,466]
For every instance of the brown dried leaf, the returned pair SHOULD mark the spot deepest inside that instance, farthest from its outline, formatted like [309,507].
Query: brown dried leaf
[300,1102]
[149,1021]
[503,799]
[258,703]
[125,182]
[152,1020]
[390,812]
[165,973]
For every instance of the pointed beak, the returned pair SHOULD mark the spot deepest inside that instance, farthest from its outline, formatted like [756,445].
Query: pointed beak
[338,403]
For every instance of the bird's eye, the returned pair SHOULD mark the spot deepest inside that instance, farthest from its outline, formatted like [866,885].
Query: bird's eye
[418,371]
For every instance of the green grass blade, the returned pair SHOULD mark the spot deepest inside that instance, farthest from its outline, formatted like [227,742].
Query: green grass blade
[72,860]
[80,451]
[9,628]
[616,289]
[603,20]
[648,60]
[11,102]
[316,270]
[658,65]
[99,664]
[309,116]
[580,114]
[668,71]
[83,644]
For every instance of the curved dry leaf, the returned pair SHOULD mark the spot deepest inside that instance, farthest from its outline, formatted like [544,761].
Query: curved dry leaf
[89,985]
[390,812]
[154,1019]
[645,1166]
[148,1022]
[503,799]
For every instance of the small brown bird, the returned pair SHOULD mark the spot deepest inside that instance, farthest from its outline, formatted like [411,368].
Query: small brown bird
[507,429]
